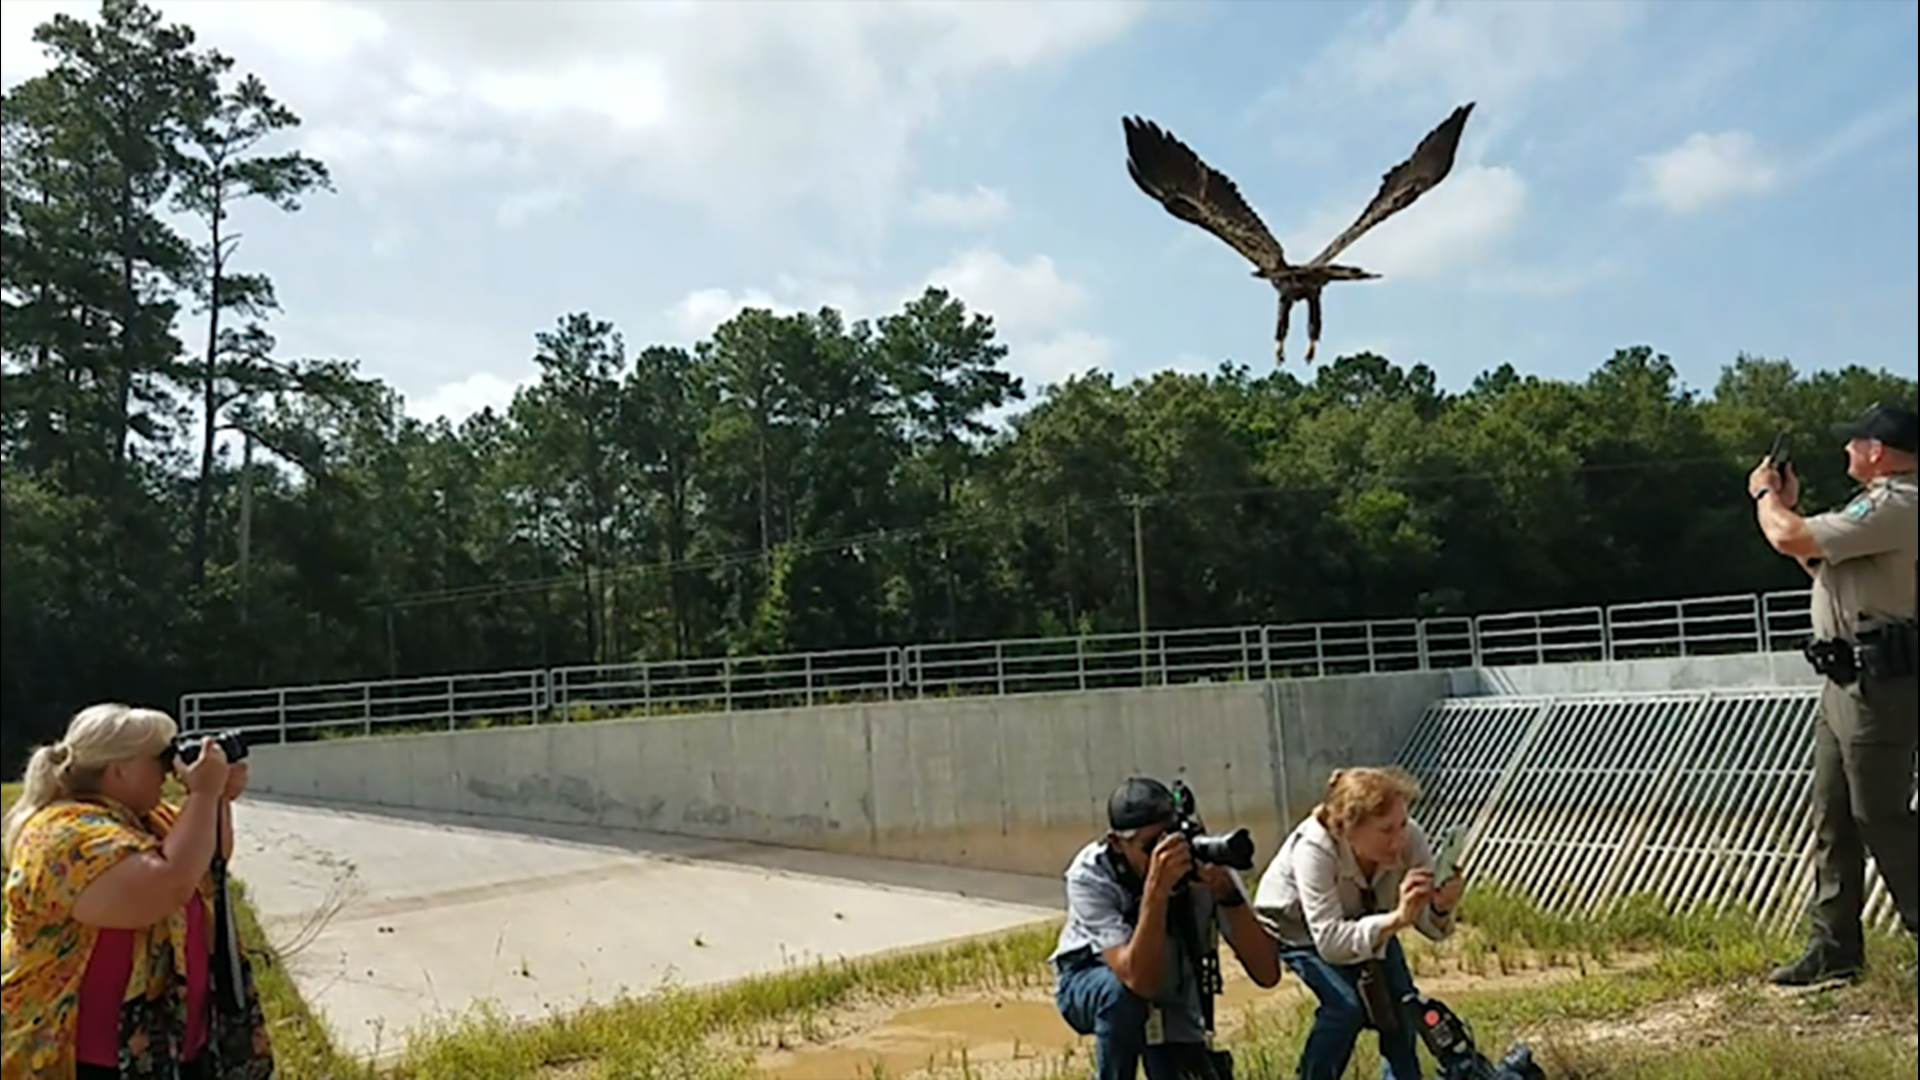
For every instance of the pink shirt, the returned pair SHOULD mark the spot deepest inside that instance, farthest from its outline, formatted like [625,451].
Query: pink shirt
[103,989]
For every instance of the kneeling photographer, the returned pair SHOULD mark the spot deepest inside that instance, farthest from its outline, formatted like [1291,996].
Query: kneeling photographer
[1137,960]
[1350,878]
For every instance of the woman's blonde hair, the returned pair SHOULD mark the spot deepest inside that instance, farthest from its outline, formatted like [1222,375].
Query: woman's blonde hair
[1354,795]
[97,736]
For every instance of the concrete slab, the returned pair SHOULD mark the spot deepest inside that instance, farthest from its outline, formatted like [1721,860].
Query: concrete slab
[392,921]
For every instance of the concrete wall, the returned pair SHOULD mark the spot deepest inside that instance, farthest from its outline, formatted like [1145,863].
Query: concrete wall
[1625,676]
[1013,783]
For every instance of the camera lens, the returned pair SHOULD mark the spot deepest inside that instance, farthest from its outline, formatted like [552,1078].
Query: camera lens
[1234,849]
[186,748]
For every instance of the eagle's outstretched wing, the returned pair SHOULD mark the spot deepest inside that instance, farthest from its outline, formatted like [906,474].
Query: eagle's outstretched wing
[1193,191]
[1432,160]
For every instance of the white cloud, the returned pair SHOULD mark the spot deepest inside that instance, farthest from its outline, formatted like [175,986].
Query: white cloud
[1544,280]
[442,367]
[1491,48]
[392,238]
[1036,309]
[1710,167]
[1023,298]
[1055,359]
[523,206]
[696,315]
[1436,55]
[460,399]
[315,32]
[1455,225]
[1703,169]
[960,209]
[739,109]
[1864,130]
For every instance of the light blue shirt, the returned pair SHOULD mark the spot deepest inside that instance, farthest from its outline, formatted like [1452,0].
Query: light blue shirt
[1101,913]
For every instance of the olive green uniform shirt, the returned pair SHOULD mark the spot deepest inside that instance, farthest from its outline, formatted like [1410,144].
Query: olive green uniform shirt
[1867,551]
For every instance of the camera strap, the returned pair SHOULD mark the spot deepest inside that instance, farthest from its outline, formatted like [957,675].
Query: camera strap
[1203,962]
[1383,1014]
[228,980]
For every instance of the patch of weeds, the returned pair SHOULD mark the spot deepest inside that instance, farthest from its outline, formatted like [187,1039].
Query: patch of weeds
[710,1034]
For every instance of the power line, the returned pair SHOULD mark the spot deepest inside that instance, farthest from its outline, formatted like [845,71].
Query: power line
[973,522]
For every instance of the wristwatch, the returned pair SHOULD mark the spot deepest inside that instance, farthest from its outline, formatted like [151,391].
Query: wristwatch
[1232,901]
[1761,494]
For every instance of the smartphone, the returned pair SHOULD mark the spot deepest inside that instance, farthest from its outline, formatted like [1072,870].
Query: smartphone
[1446,859]
[1781,455]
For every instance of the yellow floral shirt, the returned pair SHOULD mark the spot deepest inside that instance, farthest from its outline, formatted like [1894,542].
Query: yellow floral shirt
[44,951]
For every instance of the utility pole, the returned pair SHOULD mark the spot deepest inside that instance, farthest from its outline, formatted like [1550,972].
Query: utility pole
[1139,567]
[1140,583]
[1066,565]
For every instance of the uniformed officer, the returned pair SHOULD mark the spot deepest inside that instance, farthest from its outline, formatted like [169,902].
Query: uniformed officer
[1862,559]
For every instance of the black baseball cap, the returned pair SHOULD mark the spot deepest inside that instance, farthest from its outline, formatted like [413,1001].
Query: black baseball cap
[1885,421]
[1137,802]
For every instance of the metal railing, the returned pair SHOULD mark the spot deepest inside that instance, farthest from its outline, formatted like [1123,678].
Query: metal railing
[1696,626]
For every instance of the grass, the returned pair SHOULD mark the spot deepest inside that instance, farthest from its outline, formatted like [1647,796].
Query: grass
[710,1034]
[1696,1012]
[1642,994]
[1635,964]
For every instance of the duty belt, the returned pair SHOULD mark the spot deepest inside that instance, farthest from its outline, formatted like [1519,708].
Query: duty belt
[1890,651]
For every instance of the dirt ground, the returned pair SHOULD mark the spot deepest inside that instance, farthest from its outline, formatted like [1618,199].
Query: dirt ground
[1009,1035]
[1709,1016]
[1017,1034]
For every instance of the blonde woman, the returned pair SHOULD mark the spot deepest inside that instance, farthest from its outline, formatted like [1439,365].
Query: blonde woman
[1350,878]
[108,923]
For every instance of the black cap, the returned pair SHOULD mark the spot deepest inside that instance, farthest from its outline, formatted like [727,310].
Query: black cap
[1885,421]
[1138,802]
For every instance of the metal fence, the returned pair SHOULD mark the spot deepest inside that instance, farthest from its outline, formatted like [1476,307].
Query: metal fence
[1690,627]
[1580,801]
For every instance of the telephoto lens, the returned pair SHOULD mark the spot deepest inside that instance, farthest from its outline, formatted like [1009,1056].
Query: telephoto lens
[1235,849]
[186,747]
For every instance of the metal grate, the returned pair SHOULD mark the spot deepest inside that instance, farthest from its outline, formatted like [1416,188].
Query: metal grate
[1698,797]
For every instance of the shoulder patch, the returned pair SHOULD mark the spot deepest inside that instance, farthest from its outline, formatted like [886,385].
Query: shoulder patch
[1859,508]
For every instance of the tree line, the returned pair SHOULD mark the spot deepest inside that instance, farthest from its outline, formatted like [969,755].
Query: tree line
[793,482]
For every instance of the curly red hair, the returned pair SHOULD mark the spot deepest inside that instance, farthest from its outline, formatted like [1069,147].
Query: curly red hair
[1356,794]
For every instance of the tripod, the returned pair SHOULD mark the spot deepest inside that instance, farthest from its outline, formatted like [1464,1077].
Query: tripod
[1203,1062]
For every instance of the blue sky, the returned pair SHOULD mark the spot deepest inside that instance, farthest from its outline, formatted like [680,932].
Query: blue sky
[1703,177]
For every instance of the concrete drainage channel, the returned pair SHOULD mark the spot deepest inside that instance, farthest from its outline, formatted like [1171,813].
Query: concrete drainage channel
[409,918]
[418,909]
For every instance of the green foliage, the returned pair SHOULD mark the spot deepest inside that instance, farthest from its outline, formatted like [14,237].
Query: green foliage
[794,482]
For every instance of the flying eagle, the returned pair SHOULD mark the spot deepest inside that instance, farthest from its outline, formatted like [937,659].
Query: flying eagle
[1193,191]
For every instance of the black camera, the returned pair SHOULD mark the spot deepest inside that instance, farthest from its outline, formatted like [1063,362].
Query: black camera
[185,748]
[1451,1043]
[1234,849]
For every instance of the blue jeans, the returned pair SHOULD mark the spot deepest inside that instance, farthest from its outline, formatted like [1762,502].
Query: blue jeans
[1093,1002]
[1341,1017]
